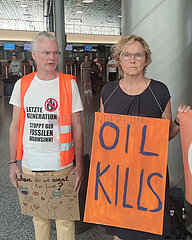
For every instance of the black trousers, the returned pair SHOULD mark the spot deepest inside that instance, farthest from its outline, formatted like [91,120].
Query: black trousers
[112,76]
[94,80]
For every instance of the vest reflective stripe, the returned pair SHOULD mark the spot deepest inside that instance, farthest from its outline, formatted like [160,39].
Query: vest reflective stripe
[65,134]
[66,146]
[67,152]
[65,113]
[67,156]
[65,129]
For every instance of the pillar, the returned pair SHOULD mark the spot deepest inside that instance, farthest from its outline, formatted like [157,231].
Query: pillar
[60,32]
[167,27]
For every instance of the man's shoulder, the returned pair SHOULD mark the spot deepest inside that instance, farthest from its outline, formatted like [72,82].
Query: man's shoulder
[64,75]
[30,75]
[68,77]
[28,78]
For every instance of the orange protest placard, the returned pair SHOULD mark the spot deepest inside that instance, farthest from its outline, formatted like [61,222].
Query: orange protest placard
[186,141]
[127,176]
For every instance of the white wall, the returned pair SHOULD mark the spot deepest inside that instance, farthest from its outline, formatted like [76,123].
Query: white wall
[167,27]
[9,35]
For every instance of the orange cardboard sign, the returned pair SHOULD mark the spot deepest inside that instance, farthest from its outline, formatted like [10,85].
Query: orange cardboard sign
[127,176]
[186,141]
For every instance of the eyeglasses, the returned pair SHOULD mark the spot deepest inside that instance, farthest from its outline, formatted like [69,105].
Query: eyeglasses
[137,56]
[48,54]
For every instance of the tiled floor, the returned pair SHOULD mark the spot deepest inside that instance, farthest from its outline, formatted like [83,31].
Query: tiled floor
[14,225]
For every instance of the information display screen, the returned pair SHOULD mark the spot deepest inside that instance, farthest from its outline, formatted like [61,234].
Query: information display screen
[9,46]
[69,47]
[27,46]
[88,48]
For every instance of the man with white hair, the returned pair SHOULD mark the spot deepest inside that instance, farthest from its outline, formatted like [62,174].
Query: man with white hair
[46,130]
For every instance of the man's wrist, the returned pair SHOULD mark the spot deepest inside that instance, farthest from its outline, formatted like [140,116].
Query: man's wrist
[79,163]
[13,162]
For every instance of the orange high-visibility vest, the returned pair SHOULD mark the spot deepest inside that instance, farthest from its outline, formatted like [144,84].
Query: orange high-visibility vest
[65,116]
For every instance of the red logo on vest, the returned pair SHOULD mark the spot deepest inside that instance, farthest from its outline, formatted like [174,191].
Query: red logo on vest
[51,104]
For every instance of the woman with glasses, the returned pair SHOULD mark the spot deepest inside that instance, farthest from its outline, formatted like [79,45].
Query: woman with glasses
[134,94]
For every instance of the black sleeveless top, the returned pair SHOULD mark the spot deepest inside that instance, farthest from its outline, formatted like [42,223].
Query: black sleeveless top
[146,104]
[115,100]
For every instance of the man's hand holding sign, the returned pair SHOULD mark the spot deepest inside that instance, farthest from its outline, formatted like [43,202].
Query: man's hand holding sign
[186,141]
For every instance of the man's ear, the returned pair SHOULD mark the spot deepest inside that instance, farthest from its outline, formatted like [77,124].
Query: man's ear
[33,55]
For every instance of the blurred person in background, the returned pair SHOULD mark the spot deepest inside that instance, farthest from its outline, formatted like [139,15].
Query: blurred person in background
[86,67]
[96,69]
[15,68]
[112,68]
[15,73]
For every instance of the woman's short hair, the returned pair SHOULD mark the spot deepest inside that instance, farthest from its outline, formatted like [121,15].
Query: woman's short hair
[123,43]
[43,34]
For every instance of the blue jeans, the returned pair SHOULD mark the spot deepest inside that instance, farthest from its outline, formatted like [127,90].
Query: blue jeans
[8,88]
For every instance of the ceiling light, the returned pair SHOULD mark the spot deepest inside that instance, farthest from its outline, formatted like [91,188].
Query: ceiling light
[87,1]
[24,5]
[79,12]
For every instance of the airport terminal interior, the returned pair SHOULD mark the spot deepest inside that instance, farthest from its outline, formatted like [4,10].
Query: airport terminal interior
[91,28]
[13,224]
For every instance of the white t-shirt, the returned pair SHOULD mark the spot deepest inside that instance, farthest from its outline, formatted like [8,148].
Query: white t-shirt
[41,149]
[112,69]
[15,67]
